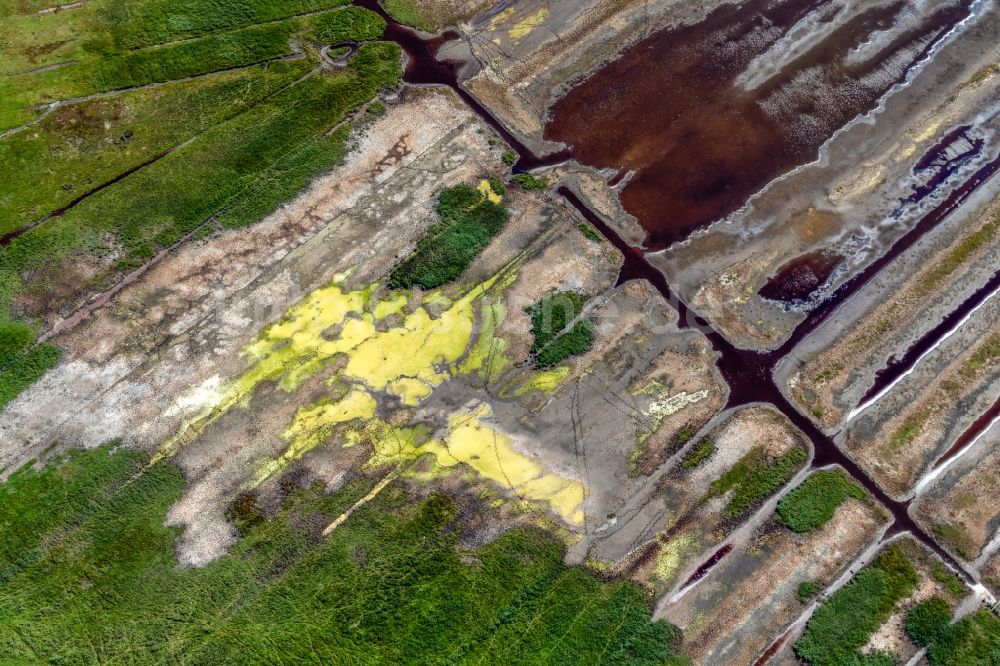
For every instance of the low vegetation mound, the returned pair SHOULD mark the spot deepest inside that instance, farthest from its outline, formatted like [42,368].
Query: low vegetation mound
[698,454]
[469,220]
[842,625]
[530,182]
[812,504]
[755,478]
[88,574]
[554,339]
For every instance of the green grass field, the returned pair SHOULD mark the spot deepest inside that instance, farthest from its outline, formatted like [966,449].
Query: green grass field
[87,575]
[154,119]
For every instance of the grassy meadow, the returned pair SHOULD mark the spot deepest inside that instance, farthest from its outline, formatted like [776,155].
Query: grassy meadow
[125,127]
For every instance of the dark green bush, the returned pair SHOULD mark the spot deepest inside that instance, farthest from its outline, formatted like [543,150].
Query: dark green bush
[22,362]
[701,452]
[589,232]
[928,620]
[549,319]
[812,504]
[845,622]
[574,342]
[468,223]
[807,590]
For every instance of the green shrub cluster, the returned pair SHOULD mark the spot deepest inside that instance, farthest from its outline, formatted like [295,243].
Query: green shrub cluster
[812,504]
[972,641]
[87,574]
[549,319]
[949,579]
[807,590]
[845,622]
[22,362]
[928,620]
[589,232]
[701,452]
[529,182]
[469,222]
[754,478]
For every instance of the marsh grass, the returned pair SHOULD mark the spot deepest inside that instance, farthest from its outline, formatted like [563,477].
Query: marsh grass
[89,575]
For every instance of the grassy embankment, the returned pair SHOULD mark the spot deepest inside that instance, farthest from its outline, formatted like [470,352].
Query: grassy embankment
[811,505]
[150,165]
[971,641]
[88,575]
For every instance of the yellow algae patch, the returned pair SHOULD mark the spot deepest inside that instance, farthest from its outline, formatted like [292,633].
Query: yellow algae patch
[524,27]
[488,355]
[390,306]
[488,453]
[500,18]
[543,381]
[492,456]
[407,360]
[312,425]
[486,189]
[669,559]
[410,390]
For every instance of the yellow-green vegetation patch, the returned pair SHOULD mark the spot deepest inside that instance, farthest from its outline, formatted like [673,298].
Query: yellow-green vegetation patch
[407,12]
[545,382]
[672,555]
[89,575]
[984,356]
[958,255]
[909,429]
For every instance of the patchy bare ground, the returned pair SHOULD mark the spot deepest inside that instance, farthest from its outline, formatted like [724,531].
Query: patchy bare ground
[733,614]
[694,524]
[960,508]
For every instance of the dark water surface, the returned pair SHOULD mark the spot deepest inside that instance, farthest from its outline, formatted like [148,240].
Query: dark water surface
[672,108]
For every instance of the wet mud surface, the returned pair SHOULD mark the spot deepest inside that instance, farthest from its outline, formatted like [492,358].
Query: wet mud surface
[700,141]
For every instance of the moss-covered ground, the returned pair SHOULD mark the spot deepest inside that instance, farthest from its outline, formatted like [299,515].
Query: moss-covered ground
[87,575]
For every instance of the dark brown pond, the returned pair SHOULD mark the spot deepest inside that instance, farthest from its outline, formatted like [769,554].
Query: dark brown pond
[674,110]
[801,277]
